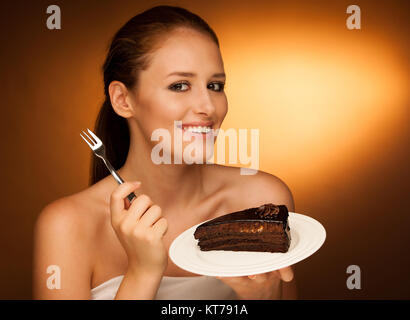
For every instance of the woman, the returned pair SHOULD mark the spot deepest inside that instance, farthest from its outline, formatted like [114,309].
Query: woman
[163,65]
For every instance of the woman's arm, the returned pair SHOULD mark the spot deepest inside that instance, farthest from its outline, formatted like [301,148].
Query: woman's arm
[140,228]
[61,255]
[137,285]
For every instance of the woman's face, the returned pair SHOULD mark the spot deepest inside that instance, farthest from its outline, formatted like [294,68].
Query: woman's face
[184,82]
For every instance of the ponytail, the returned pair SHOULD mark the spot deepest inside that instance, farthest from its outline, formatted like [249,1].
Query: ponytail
[113,131]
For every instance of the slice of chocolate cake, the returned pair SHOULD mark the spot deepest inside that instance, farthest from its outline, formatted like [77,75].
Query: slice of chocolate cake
[263,228]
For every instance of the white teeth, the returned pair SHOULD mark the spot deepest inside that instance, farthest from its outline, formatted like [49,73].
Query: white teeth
[198,129]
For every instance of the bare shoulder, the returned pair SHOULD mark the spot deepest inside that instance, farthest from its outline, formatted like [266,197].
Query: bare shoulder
[76,218]
[247,190]
[273,189]
[71,214]
[64,237]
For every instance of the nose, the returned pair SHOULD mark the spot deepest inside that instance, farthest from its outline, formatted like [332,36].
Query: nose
[204,104]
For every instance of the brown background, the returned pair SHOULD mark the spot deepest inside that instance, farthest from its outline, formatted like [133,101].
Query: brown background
[338,100]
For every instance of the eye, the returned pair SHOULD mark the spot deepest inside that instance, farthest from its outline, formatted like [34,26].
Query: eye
[178,86]
[219,85]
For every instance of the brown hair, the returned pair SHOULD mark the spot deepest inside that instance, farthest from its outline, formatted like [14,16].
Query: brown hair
[128,53]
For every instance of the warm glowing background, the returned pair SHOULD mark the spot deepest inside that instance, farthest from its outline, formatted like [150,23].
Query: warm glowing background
[331,104]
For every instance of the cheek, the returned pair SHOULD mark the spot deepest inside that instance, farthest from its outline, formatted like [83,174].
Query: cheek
[165,109]
[158,116]
[160,113]
[223,109]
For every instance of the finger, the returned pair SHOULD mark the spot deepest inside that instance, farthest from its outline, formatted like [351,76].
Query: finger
[139,206]
[259,278]
[151,216]
[234,280]
[286,274]
[161,226]
[118,195]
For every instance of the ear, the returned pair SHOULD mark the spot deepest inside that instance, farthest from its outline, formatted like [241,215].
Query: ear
[121,99]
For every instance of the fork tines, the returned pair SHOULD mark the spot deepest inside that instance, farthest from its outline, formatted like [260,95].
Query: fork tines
[92,143]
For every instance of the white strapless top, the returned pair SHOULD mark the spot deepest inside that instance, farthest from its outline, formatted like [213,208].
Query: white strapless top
[174,288]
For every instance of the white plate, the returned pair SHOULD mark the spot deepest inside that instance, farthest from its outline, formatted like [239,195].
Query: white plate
[307,236]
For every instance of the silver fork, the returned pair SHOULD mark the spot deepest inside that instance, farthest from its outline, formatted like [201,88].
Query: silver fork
[97,147]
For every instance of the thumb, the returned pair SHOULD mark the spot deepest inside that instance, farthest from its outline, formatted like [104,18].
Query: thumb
[286,274]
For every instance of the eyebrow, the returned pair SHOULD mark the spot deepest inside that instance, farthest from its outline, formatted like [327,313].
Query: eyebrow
[191,74]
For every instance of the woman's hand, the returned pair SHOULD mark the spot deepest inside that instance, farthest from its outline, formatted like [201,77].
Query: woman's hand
[264,286]
[140,228]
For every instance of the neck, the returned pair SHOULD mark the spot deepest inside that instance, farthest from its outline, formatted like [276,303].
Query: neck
[168,185]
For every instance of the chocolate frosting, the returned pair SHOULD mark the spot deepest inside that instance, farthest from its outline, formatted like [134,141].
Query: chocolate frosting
[269,211]
[266,212]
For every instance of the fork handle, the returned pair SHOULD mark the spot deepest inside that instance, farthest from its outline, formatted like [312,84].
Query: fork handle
[117,177]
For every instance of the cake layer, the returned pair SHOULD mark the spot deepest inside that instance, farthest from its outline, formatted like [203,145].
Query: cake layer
[239,236]
[241,228]
[237,241]
[248,247]
[244,242]
[245,238]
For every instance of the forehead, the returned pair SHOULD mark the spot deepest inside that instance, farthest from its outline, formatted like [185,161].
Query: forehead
[186,50]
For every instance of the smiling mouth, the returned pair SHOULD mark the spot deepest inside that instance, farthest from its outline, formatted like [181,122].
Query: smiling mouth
[197,129]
